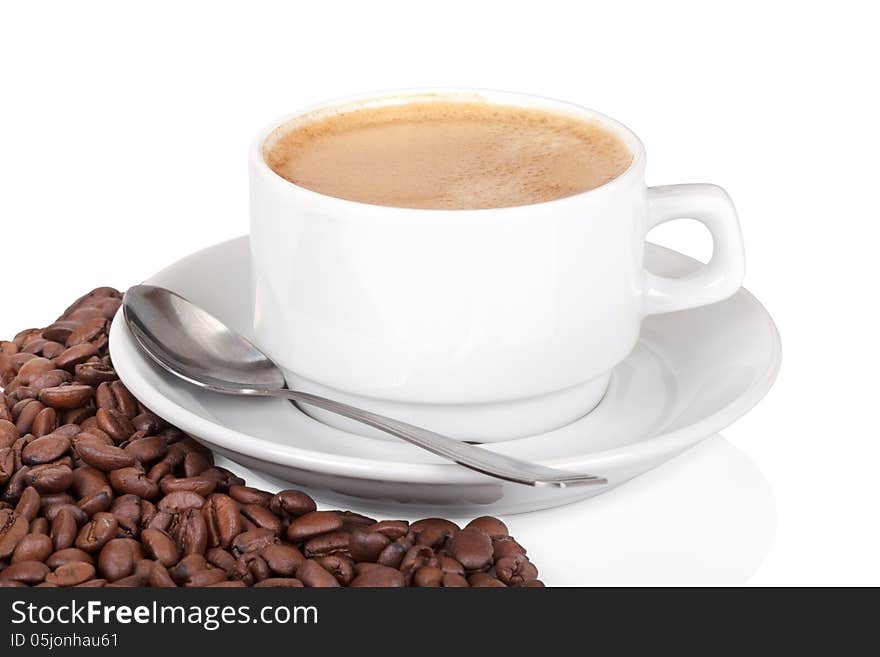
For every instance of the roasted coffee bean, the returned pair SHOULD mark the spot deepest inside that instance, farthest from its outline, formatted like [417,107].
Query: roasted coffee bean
[180,501]
[142,570]
[78,415]
[516,570]
[159,577]
[427,576]
[262,517]
[8,433]
[221,558]
[326,544]
[223,520]
[393,529]
[87,330]
[313,575]
[51,379]
[54,500]
[92,436]
[35,346]
[341,567]
[506,547]
[472,548]
[68,555]
[191,532]
[53,508]
[104,397]
[7,464]
[18,396]
[352,520]
[160,520]
[289,504]
[195,463]
[26,416]
[118,557]
[484,580]
[125,401]
[449,565]
[45,449]
[160,471]
[64,530]
[45,423]
[94,374]
[282,559]
[313,524]
[251,568]
[134,481]
[89,481]
[114,424]
[71,574]
[59,331]
[32,547]
[433,532]
[95,534]
[393,553]
[40,526]
[127,507]
[33,368]
[418,556]
[381,576]
[225,479]
[19,480]
[50,477]
[26,572]
[253,541]
[453,580]
[95,503]
[160,546]
[150,448]
[70,358]
[148,423]
[365,545]
[91,584]
[68,430]
[247,495]
[16,361]
[13,528]
[66,396]
[200,485]
[187,567]
[28,504]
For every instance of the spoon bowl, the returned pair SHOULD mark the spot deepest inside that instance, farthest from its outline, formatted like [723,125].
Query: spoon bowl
[168,328]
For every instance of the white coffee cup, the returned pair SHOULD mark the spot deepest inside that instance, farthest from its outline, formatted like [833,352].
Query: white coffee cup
[484,325]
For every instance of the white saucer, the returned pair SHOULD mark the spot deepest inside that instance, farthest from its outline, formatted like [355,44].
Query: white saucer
[691,375]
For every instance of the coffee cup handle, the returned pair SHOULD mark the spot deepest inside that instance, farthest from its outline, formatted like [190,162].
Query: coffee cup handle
[722,276]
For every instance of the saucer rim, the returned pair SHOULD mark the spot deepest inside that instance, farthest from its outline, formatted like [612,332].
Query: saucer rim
[130,359]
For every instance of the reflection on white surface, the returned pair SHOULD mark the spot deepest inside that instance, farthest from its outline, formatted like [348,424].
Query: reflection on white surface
[705,518]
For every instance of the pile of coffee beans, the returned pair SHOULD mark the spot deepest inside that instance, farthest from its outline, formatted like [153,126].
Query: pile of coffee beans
[95,490]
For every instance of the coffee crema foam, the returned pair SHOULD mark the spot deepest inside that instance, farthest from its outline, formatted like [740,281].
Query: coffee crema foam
[447,155]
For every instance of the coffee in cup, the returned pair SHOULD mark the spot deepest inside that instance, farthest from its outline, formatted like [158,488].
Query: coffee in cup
[447,155]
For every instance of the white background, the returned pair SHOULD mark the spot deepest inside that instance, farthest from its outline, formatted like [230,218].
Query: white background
[124,129]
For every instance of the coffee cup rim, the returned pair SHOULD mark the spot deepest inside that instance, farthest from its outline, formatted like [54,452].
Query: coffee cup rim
[515,99]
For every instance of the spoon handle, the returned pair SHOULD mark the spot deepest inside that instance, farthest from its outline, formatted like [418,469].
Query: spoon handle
[475,458]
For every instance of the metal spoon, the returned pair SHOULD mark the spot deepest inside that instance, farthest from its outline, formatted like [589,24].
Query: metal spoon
[200,349]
